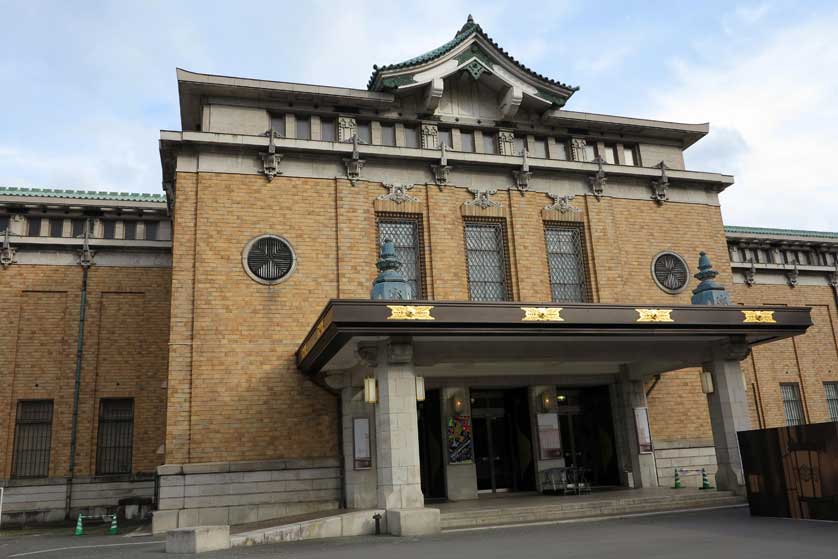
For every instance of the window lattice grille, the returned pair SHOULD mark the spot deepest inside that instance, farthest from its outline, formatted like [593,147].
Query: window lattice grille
[488,267]
[566,263]
[831,389]
[33,433]
[792,404]
[116,436]
[406,236]
[270,258]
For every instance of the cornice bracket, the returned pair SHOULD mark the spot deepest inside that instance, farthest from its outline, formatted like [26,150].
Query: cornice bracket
[85,254]
[271,159]
[442,170]
[599,180]
[661,185]
[750,275]
[792,276]
[354,164]
[522,176]
[7,253]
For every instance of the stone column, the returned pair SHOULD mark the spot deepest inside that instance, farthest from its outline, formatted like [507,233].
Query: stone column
[361,484]
[397,443]
[728,414]
[631,394]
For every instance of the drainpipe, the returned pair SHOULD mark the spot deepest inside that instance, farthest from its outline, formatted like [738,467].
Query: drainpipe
[85,261]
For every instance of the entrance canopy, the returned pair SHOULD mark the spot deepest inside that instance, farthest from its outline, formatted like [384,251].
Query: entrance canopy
[499,339]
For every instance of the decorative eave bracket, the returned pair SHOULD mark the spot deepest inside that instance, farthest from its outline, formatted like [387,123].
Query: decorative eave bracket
[792,276]
[7,253]
[85,254]
[271,159]
[511,102]
[522,176]
[433,95]
[442,170]
[354,164]
[481,198]
[661,185]
[599,180]
[750,275]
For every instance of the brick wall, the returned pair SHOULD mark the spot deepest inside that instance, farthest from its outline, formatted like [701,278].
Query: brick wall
[125,354]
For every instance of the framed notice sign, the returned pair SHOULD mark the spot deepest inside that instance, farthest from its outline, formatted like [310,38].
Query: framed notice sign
[549,436]
[644,434]
[361,437]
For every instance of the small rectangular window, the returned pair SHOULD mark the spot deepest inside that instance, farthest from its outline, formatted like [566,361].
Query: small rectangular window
[831,389]
[151,228]
[590,152]
[362,129]
[539,148]
[303,127]
[327,129]
[628,156]
[411,137]
[109,229]
[486,261]
[278,124]
[792,404]
[77,225]
[566,263]
[4,223]
[559,150]
[33,435]
[489,145]
[609,154]
[388,135]
[33,227]
[130,230]
[116,436]
[406,234]
[467,141]
[444,137]
[56,227]
[518,145]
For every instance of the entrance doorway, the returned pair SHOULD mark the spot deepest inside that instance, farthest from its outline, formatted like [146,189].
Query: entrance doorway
[587,432]
[503,451]
[431,450]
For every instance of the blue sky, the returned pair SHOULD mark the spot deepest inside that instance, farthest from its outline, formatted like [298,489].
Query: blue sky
[86,86]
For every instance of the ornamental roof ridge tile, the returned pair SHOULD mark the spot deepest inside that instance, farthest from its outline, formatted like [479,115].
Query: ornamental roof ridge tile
[771,231]
[84,194]
[464,32]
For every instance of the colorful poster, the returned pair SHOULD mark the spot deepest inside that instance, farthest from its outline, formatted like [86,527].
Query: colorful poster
[459,440]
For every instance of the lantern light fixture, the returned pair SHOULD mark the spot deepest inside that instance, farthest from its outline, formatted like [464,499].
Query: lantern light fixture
[707,382]
[457,403]
[546,401]
[370,391]
[420,389]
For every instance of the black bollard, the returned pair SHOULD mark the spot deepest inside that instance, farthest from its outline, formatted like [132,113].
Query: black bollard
[377,518]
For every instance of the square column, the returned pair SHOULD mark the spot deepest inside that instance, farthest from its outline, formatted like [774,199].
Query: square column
[630,394]
[728,405]
[361,486]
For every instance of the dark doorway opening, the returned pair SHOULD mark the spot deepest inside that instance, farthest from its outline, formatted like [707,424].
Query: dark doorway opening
[431,451]
[587,431]
[503,451]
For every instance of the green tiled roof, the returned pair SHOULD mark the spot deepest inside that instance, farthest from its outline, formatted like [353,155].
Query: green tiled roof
[464,32]
[84,194]
[787,232]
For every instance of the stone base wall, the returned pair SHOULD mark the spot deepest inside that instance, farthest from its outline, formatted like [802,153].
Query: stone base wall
[44,501]
[243,492]
[688,456]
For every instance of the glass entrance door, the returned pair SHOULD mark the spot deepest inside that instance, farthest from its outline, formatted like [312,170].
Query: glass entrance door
[492,454]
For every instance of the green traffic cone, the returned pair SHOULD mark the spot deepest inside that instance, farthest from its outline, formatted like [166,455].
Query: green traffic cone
[79,527]
[705,483]
[677,480]
[113,530]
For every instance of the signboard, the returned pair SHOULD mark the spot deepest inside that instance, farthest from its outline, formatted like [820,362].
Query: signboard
[361,438]
[644,434]
[459,440]
[549,436]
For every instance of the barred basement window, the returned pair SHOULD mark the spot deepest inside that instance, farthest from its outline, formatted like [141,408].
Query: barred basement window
[670,272]
[487,261]
[793,406]
[566,263]
[831,389]
[406,234]
[269,259]
[33,434]
[116,436]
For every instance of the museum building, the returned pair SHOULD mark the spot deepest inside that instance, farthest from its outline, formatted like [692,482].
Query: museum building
[558,297]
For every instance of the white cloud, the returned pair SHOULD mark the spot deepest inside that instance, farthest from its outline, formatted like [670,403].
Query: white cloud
[773,118]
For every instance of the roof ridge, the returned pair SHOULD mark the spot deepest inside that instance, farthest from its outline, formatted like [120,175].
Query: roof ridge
[778,231]
[89,194]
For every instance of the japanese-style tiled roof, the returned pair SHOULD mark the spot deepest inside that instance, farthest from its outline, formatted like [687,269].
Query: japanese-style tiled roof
[83,194]
[783,232]
[465,32]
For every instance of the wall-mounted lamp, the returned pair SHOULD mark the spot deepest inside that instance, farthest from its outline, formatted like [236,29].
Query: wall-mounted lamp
[370,391]
[420,389]
[706,382]
[546,401]
[561,398]
[457,403]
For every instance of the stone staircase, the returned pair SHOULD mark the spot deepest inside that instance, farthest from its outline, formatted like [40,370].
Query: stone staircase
[512,510]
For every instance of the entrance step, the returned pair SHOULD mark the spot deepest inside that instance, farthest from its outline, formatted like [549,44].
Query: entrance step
[520,510]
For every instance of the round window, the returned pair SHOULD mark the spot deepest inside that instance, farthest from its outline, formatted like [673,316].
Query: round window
[670,272]
[269,259]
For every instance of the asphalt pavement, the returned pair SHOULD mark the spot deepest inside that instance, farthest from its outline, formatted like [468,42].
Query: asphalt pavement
[715,534]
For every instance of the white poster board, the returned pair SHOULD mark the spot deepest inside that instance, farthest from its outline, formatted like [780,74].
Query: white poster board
[644,433]
[361,437]
[549,436]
